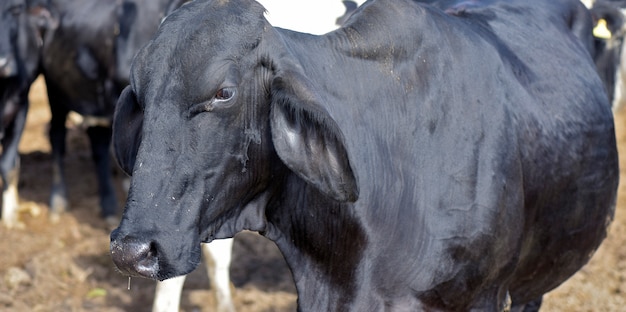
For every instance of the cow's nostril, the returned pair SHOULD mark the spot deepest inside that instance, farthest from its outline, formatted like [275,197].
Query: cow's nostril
[148,266]
[152,252]
[135,257]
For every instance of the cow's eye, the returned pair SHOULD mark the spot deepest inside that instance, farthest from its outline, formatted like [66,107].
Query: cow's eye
[225,94]
[221,99]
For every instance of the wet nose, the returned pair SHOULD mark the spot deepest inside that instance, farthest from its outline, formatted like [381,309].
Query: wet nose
[8,66]
[134,256]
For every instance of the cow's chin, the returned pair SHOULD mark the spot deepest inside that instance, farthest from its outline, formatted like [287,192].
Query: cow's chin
[247,218]
[218,229]
[182,265]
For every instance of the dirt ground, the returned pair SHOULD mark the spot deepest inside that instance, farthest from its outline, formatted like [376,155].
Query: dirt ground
[66,266]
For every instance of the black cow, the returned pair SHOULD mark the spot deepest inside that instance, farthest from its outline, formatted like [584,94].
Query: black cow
[21,25]
[410,160]
[85,65]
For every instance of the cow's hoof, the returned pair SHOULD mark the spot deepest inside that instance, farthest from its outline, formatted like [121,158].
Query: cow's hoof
[58,204]
[13,224]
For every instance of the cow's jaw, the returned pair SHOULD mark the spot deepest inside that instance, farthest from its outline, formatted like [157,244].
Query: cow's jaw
[164,222]
[202,159]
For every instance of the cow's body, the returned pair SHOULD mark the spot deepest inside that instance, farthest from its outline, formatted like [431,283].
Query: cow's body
[20,54]
[410,160]
[79,67]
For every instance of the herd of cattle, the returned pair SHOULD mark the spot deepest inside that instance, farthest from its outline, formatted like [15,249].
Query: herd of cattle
[426,155]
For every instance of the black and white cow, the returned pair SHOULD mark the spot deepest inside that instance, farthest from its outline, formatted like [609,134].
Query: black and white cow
[410,160]
[609,54]
[78,66]
[85,64]
[21,24]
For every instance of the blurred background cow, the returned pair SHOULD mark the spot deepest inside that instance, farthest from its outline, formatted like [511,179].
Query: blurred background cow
[609,54]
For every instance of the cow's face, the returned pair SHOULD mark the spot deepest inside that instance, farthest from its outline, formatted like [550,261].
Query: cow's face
[217,113]
[22,25]
[11,14]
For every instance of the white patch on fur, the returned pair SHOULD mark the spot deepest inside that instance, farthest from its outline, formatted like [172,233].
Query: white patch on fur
[167,294]
[216,257]
[10,206]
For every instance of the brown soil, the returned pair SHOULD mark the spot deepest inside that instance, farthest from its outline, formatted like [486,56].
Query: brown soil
[66,266]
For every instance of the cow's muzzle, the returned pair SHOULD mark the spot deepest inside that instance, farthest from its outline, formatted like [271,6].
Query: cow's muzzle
[134,256]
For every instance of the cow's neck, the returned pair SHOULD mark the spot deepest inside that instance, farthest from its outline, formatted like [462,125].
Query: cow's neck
[358,64]
[321,240]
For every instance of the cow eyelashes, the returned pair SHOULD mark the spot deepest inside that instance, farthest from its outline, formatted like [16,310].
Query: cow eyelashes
[221,99]
[225,94]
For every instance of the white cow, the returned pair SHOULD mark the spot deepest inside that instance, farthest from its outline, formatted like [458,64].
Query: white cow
[310,16]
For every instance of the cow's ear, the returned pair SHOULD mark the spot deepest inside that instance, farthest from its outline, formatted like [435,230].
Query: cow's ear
[307,139]
[127,123]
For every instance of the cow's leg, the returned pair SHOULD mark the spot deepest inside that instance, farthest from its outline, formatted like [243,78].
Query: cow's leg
[167,294]
[100,138]
[58,193]
[10,166]
[217,256]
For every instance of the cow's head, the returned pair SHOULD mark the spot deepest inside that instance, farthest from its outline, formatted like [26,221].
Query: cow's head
[218,112]
[22,26]
[21,29]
